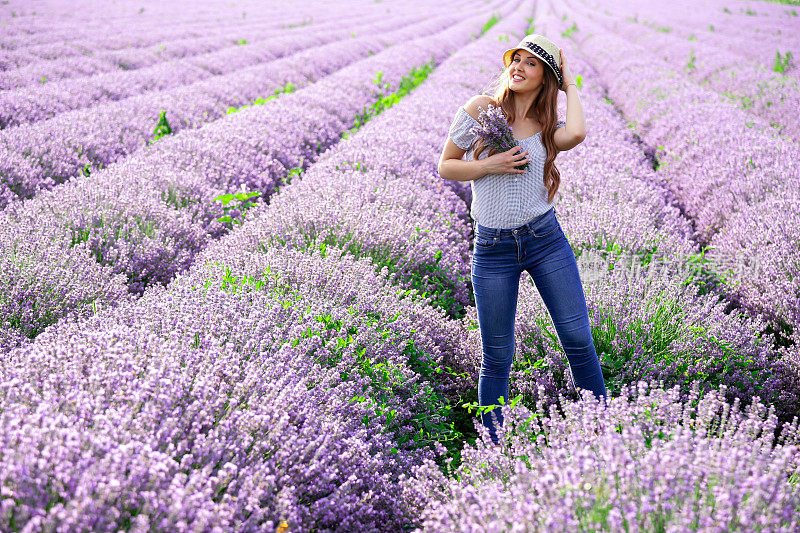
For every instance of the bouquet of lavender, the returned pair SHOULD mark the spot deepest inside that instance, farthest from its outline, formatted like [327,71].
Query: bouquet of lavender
[495,132]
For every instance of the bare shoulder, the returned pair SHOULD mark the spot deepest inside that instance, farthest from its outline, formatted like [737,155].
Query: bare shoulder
[473,104]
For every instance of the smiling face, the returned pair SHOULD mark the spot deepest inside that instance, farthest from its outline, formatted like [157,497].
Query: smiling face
[525,71]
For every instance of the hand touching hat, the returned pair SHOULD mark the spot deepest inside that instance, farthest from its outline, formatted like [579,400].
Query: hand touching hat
[568,77]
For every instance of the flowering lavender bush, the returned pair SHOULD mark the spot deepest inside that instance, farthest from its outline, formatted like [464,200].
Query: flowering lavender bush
[494,131]
[648,462]
[43,277]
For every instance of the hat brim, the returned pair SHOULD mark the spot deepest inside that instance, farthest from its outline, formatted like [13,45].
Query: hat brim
[508,55]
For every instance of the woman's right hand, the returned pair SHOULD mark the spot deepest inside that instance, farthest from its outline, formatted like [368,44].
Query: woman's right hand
[506,162]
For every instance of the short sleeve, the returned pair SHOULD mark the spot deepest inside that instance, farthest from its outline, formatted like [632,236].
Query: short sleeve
[560,124]
[460,129]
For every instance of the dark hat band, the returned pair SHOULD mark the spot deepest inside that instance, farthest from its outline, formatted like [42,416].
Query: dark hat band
[535,48]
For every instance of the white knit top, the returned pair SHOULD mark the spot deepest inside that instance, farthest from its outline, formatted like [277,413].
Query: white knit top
[505,200]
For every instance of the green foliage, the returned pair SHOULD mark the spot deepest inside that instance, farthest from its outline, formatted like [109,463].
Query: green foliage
[243,41]
[409,82]
[162,127]
[531,26]
[745,101]
[782,63]
[726,10]
[233,284]
[43,80]
[663,29]
[481,409]
[569,31]
[503,37]
[701,274]
[437,287]
[616,361]
[288,88]
[293,172]
[491,22]
[690,65]
[385,381]
[579,80]
[178,197]
[234,213]
[433,422]
[710,27]
[304,23]
[692,38]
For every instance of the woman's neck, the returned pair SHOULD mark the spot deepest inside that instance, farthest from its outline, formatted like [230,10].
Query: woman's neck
[523,102]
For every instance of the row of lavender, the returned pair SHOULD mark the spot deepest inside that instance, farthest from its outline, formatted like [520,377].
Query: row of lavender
[741,201]
[141,221]
[270,382]
[753,84]
[121,41]
[85,25]
[42,155]
[722,24]
[58,66]
[40,103]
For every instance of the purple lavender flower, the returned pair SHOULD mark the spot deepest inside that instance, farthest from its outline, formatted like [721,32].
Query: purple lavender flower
[494,131]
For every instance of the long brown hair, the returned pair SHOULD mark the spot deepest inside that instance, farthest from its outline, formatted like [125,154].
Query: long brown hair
[543,108]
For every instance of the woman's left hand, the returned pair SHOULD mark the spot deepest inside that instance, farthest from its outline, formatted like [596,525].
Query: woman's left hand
[566,74]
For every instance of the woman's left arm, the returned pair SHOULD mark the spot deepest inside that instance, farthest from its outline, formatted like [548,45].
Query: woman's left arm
[574,132]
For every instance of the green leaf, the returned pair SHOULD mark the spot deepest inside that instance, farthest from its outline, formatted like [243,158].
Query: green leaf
[224,198]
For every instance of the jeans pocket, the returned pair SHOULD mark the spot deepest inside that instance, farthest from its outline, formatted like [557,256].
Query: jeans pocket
[484,242]
[546,227]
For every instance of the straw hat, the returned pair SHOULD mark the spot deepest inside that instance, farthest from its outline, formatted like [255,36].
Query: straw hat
[541,47]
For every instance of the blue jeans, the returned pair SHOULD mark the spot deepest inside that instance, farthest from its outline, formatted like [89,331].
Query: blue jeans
[499,257]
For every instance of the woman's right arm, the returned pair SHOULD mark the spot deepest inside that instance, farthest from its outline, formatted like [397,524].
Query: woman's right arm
[452,167]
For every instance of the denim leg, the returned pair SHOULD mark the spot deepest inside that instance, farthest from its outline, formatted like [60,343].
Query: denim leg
[558,281]
[495,281]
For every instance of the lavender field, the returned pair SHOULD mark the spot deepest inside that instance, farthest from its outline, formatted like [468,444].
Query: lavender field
[235,292]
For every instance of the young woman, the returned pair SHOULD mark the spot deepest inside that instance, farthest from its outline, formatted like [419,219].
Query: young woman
[516,228]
